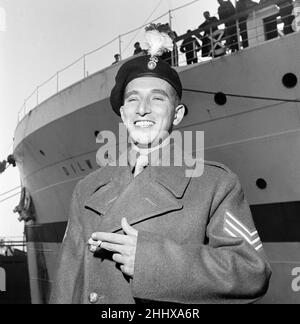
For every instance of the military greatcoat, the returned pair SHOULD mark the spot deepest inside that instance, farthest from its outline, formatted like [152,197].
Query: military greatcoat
[197,242]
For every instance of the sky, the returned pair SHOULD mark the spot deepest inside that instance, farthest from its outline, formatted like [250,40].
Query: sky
[40,37]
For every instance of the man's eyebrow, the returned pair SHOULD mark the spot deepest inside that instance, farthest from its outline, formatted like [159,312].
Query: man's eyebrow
[153,91]
[130,93]
[160,91]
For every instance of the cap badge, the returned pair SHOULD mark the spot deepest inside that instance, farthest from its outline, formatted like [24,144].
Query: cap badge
[160,38]
[152,63]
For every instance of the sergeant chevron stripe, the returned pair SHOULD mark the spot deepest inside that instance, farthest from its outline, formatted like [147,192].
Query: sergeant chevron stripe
[235,228]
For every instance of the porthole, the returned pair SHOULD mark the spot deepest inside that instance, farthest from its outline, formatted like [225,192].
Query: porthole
[261,183]
[220,98]
[290,80]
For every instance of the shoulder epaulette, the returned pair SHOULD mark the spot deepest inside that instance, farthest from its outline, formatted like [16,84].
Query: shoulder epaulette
[218,165]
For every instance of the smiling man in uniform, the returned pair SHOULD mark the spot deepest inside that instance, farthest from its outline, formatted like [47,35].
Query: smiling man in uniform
[154,233]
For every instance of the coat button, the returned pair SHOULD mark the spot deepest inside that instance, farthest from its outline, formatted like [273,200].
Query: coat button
[93,298]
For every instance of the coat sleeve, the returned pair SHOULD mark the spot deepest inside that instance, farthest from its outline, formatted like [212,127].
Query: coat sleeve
[65,287]
[230,268]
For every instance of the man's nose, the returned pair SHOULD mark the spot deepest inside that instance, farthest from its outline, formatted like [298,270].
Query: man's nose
[144,108]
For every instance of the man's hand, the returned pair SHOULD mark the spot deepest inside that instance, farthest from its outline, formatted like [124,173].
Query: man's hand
[124,246]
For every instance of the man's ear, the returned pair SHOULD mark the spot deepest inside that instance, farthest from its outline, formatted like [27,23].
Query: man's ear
[179,114]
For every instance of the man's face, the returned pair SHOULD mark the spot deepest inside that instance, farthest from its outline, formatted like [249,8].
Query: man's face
[149,111]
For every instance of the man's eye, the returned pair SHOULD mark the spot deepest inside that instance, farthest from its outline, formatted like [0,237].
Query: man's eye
[132,99]
[158,98]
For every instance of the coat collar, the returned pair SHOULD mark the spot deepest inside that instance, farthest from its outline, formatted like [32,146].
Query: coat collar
[172,177]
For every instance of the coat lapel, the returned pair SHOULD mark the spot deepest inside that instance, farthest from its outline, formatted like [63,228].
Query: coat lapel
[155,192]
[107,188]
[142,199]
[172,178]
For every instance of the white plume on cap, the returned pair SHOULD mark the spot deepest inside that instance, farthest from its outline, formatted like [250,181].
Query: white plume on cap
[159,38]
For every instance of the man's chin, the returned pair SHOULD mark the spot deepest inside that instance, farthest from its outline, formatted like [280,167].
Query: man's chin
[142,139]
[142,143]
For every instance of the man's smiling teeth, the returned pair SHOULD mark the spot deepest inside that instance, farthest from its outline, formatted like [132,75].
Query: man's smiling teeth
[144,123]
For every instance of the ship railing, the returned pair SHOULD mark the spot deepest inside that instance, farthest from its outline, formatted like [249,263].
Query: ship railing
[231,39]
[221,43]
[12,242]
[90,63]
